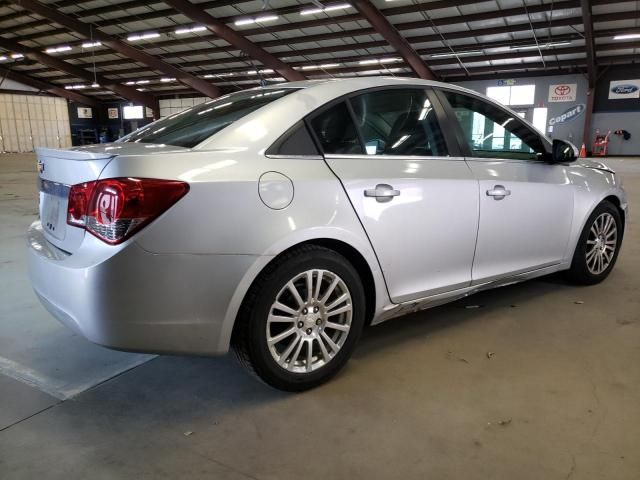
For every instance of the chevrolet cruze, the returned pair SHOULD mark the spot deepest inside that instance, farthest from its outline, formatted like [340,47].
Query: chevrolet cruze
[279,221]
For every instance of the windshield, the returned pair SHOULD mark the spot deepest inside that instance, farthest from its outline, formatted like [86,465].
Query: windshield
[193,125]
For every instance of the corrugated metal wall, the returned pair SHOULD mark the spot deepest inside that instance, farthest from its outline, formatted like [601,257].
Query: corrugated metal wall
[30,121]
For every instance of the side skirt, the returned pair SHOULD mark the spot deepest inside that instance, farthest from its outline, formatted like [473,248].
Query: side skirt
[397,310]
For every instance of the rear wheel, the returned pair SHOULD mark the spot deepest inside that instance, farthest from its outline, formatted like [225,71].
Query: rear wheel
[301,319]
[598,246]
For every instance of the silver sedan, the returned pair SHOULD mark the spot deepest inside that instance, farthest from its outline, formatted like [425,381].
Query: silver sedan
[281,220]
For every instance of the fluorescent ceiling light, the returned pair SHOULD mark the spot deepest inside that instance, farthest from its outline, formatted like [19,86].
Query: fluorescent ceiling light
[143,36]
[166,79]
[260,19]
[255,72]
[129,83]
[95,85]
[74,87]
[181,31]
[373,61]
[627,36]
[142,82]
[213,75]
[319,67]
[328,8]
[63,48]
[543,45]
[458,54]
[91,44]
[2,58]
[15,56]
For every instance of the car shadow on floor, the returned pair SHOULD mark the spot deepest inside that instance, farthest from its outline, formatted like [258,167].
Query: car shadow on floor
[221,384]
[510,298]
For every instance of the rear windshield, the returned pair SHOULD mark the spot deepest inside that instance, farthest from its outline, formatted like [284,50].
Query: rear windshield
[194,125]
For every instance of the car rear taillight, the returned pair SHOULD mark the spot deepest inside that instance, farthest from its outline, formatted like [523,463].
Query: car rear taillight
[115,208]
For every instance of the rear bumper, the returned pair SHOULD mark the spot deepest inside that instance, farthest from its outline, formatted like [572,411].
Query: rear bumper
[129,299]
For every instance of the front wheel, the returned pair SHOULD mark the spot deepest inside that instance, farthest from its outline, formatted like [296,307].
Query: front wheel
[598,246]
[301,319]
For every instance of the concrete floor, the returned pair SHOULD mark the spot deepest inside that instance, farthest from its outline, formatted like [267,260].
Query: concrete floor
[559,397]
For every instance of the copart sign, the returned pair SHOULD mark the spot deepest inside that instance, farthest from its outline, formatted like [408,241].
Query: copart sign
[568,116]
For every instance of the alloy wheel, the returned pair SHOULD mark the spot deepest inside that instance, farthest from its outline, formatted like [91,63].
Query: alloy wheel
[309,321]
[601,243]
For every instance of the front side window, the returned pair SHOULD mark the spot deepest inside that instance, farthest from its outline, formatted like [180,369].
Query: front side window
[398,122]
[491,132]
[194,125]
[336,131]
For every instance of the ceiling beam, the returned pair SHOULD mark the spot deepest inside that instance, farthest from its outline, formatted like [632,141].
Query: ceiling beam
[127,92]
[47,87]
[587,21]
[135,54]
[165,12]
[567,21]
[357,46]
[475,58]
[196,13]
[381,25]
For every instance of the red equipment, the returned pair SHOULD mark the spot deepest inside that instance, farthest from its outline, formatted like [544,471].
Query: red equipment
[601,144]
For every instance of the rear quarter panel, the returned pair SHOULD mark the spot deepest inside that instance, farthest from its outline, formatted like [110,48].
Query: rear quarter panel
[223,213]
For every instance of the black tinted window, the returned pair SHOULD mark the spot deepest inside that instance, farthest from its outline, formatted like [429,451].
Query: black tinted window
[192,126]
[335,130]
[493,133]
[297,141]
[398,122]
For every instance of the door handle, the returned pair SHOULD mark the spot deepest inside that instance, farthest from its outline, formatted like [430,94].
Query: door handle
[382,193]
[498,192]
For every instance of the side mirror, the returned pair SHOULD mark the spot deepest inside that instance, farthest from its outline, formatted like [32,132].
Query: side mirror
[563,152]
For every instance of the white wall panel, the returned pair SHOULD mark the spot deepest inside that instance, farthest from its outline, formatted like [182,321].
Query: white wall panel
[28,121]
[176,105]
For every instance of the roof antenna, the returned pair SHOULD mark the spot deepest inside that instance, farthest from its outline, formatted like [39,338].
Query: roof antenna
[95,83]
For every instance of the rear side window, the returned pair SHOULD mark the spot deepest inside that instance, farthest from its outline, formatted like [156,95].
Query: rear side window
[491,132]
[336,131]
[398,122]
[194,125]
[296,142]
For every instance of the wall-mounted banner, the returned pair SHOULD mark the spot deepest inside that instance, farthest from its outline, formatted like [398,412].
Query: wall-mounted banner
[564,92]
[85,112]
[509,82]
[623,89]
[568,116]
[112,113]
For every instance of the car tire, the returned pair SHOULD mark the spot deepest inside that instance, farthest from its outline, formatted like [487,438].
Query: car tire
[594,258]
[297,343]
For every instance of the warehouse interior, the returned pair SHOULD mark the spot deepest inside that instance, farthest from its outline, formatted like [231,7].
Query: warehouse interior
[535,380]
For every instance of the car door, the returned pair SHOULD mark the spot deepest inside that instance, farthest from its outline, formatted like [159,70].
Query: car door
[526,203]
[416,199]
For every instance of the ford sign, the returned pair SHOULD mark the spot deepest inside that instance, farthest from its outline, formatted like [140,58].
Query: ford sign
[625,89]
[568,115]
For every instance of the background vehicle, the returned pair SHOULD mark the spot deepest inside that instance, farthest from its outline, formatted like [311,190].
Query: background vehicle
[282,220]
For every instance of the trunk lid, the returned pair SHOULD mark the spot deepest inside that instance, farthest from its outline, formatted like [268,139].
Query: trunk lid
[58,170]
